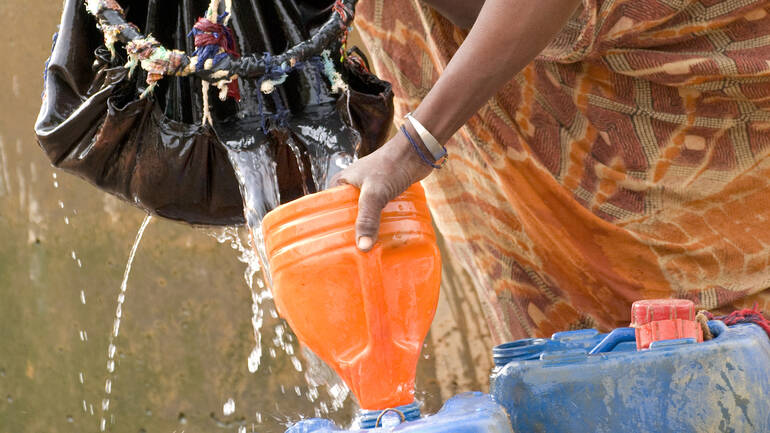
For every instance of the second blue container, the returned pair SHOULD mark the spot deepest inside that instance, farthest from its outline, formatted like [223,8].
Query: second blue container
[472,412]
[583,382]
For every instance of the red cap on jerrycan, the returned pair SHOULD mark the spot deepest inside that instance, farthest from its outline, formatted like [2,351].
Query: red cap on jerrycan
[664,319]
[365,314]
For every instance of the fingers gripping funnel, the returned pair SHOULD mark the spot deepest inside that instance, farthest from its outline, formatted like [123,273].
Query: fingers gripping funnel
[365,314]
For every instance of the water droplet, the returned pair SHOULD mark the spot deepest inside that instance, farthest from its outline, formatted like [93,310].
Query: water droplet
[254,359]
[102,424]
[106,404]
[81,379]
[182,418]
[296,363]
[111,366]
[111,350]
[66,220]
[61,204]
[85,408]
[108,386]
[229,407]
[83,297]
[242,429]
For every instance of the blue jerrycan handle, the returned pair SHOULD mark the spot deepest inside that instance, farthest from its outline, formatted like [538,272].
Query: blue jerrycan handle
[622,335]
[617,336]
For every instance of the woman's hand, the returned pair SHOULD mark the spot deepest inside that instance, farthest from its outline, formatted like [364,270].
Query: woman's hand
[506,36]
[381,177]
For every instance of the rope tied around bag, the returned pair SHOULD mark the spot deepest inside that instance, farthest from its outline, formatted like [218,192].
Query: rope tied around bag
[267,83]
[216,58]
[143,51]
[112,22]
[214,42]
[346,16]
[154,59]
[276,75]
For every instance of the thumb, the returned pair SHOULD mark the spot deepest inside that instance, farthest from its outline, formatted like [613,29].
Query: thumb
[371,201]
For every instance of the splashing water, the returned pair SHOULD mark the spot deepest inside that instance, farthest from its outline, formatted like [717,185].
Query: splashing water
[257,175]
[300,163]
[316,373]
[112,348]
[258,294]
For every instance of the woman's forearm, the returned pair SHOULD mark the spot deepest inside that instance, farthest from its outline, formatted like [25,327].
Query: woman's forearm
[507,35]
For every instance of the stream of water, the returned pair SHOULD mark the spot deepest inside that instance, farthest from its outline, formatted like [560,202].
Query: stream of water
[112,348]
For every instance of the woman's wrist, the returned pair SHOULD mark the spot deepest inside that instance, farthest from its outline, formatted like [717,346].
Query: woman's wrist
[402,150]
[437,152]
[432,123]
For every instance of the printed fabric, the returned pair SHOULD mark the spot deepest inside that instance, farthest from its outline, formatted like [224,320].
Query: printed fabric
[628,161]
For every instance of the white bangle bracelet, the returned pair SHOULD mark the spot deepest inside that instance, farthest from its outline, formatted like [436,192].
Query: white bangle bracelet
[436,150]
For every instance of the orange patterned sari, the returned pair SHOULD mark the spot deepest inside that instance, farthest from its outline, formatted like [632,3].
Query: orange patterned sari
[629,160]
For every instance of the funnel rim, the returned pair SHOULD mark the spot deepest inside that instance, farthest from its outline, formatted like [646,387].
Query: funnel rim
[320,200]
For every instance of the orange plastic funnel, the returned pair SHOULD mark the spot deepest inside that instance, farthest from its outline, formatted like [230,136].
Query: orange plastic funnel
[365,314]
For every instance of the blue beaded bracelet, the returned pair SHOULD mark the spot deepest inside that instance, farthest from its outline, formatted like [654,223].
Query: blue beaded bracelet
[418,150]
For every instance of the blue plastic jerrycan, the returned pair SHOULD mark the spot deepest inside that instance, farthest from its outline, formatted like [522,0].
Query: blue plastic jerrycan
[584,381]
[471,412]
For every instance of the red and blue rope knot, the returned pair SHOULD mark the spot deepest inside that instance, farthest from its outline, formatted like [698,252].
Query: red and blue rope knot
[747,315]
[215,41]
[343,11]
[345,14]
